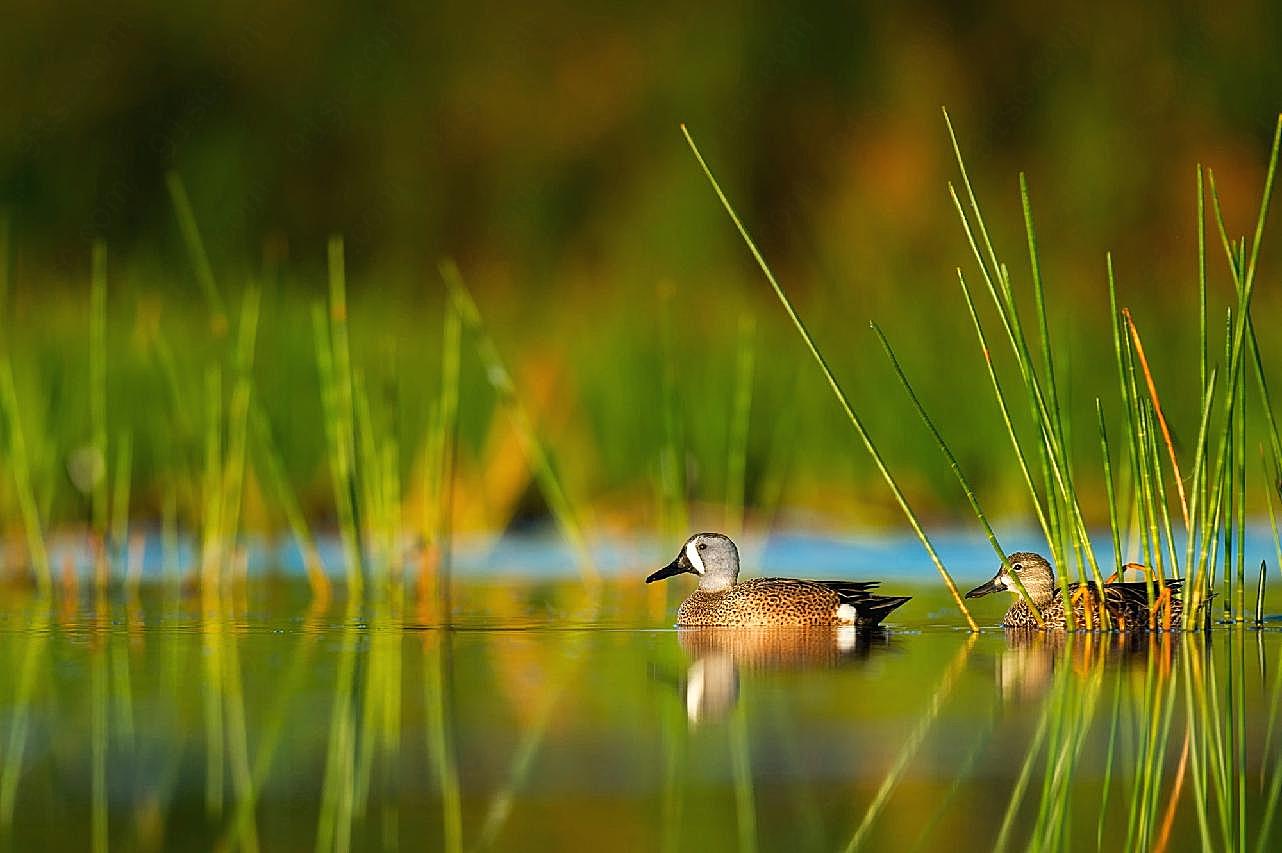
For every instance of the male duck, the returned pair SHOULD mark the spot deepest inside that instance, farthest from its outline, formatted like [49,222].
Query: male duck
[720,600]
[1126,603]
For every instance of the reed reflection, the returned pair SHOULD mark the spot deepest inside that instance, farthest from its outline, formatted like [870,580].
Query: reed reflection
[1025,669]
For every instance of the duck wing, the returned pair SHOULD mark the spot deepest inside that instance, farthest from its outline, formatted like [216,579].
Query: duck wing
[871,607]
[1124,596]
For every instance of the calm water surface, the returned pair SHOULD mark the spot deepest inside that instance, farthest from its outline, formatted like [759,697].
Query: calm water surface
[550,719]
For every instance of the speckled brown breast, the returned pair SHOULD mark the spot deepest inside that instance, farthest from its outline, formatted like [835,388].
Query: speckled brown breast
[764,602]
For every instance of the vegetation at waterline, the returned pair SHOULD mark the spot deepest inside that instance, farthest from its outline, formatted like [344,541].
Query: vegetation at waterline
[139,722]
[1216,511]
[158,425]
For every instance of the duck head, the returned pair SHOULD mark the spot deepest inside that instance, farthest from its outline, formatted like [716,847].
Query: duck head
[711,556]
[1033,571]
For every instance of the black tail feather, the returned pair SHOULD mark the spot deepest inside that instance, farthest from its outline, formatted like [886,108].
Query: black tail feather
[874,608]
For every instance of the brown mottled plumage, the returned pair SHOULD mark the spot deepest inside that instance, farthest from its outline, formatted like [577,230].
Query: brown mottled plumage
[1126,603]
[767,602]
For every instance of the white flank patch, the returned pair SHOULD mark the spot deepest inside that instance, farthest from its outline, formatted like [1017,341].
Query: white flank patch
[846,614]
[846,636]
[692,554]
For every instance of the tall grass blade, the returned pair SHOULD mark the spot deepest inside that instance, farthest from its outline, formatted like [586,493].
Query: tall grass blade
[1259,593]
[1157,408]
[540,459]
[1114,524]
[284,497]
[122,479]
[1060,492]
[442,449]
[20,463]
[98,400]
[1002,405]
[957,471]
[835,386]
[196,250]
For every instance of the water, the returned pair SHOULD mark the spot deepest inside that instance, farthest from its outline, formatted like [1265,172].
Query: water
[550,719]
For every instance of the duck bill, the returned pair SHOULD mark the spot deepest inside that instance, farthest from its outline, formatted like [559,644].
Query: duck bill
[679,566]
[994,585]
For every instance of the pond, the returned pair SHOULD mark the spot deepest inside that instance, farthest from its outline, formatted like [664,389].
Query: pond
[549,718]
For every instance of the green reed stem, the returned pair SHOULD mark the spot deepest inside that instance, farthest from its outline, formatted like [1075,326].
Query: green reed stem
[1204,363]
[212,503]
[336,404]
[1113,523]
[1199,490]
[98,383]
[196,251]
[1271,483]
[1259,593]
[20,465]
[272,469]
[238,420]
[540,458]
[442,451]
[1039,302]
[854,419]
[1006,420]
[998,281]
[122,478]
[961,477]
[1159,487]
[1240,509]
[344,412]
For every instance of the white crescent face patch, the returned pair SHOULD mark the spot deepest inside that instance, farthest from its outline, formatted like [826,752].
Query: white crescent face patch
[692,554]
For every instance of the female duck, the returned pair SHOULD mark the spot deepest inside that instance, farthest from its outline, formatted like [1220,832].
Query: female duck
[1126,603]
[720,600]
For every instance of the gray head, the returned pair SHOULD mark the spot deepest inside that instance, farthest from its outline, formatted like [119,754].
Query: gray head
[711,556]
[1034,572]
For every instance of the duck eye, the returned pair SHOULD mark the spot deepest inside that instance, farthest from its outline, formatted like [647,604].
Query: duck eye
[703,545]
[1018,567]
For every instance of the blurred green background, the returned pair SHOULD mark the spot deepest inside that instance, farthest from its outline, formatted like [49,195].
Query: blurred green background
[539,147]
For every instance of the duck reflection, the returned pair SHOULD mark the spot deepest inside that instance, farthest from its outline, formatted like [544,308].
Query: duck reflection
[1031,658]
[720,655]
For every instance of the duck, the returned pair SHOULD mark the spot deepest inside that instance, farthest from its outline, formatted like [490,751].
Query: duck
[1126,603]
[721,600]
